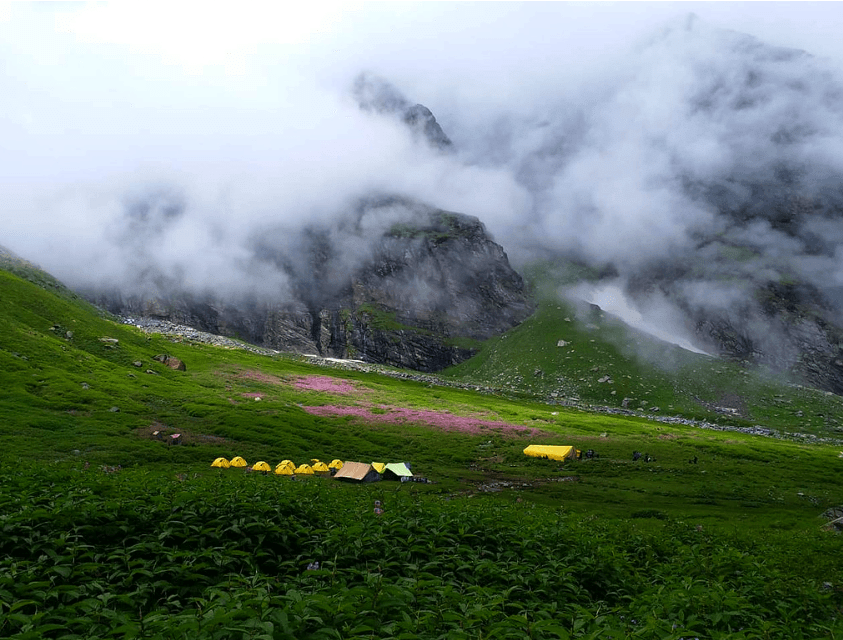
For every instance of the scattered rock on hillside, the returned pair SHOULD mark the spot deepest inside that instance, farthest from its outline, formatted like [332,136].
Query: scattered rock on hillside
[835,513]
[835,525]
[170,361]
[175,363]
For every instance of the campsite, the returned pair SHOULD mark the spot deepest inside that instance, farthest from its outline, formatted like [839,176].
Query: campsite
[348,471]
[109,531]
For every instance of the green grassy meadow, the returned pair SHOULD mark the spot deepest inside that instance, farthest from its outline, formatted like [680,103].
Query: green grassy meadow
[109,532]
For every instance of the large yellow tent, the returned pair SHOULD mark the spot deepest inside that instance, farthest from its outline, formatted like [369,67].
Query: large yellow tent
[551,452]
[304,469]
[320,467]
[222,463]
[261,466]
[238,462]
[335,464]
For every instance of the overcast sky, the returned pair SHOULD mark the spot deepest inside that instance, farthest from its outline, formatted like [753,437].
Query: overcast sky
[243,114]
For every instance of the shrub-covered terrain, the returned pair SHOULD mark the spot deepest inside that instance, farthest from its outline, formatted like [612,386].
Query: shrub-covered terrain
[224,555]
[109,531]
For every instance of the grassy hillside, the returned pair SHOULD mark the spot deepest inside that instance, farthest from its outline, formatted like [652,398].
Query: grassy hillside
[110,532]
[577,354]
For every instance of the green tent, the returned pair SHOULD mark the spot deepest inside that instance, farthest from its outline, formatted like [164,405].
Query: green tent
[397,471]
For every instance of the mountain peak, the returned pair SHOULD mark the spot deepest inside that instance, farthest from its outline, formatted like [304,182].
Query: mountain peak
[378,95]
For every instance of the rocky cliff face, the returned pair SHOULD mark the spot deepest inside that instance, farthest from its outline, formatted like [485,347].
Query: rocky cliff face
[420,294]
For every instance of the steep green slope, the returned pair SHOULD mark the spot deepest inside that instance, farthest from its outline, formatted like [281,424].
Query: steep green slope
[578,354]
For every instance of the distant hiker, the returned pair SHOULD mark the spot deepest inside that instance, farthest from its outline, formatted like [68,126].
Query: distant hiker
[636,456]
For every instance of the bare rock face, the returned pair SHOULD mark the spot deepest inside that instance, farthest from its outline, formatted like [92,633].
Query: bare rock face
[387,279]
[420,293]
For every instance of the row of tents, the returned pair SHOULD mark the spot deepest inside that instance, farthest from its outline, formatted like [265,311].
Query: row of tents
[352,471]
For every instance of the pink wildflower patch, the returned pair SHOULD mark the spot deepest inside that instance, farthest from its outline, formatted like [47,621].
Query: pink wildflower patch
[437,419]
[259,376]
[325,384]
[252,395]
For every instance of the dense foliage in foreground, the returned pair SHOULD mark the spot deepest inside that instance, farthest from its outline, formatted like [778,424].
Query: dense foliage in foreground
[141,553]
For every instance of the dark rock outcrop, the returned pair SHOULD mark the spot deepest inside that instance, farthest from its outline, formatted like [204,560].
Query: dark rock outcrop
[170,361]
[420,294]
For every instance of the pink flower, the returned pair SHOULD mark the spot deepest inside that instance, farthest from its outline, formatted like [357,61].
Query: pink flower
[438,419]
[325,384]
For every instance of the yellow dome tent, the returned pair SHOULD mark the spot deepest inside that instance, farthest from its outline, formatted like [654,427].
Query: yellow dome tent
[222,463]
[379,466]
[238,462]
[285,468]
[304,469]
[551,452]
[261,466]
[335,464]
[320,467]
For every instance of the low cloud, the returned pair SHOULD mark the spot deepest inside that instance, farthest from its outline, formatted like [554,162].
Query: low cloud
[622,138]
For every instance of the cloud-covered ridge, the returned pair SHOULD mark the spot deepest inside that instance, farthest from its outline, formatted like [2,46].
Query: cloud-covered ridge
[694,163]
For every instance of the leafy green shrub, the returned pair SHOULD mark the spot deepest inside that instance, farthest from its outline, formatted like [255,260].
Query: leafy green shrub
[649,513]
